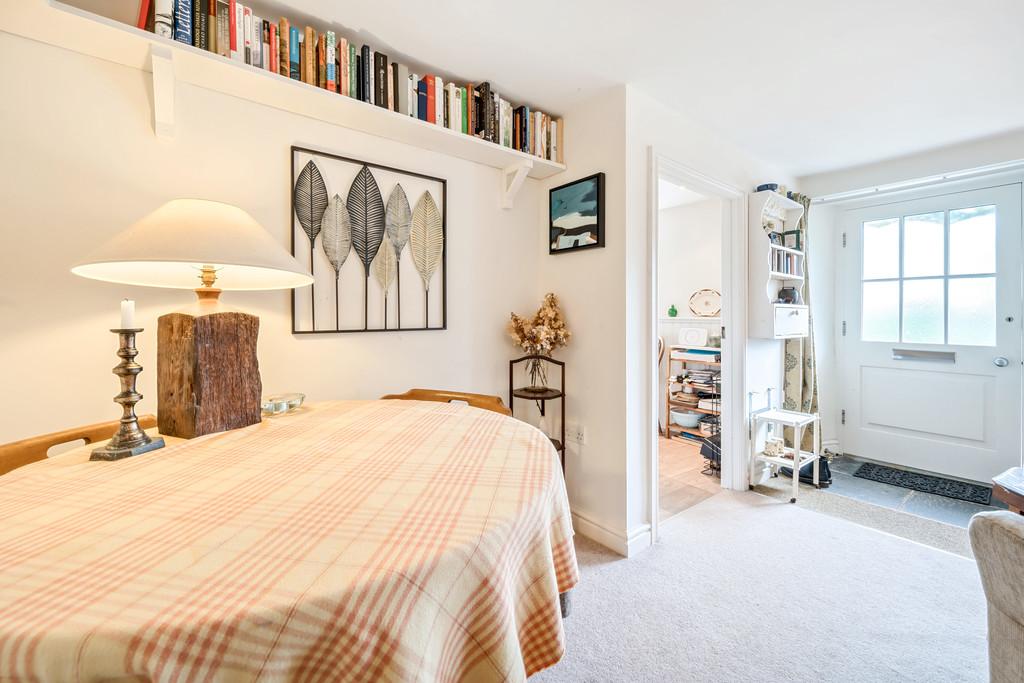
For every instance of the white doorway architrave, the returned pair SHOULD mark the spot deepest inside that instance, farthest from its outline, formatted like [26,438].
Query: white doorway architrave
[734,321]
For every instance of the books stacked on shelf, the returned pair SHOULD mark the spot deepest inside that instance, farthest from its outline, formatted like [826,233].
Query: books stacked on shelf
[786,262]
[329,61]
[706,381]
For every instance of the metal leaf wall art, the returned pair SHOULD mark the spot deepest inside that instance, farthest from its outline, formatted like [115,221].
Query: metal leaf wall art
[426,242]
[341,201]
[398,222]
[385,269]
[309,198]
[337,244]
[366,211]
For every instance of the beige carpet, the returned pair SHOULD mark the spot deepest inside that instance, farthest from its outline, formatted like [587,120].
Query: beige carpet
[928,531]
[708,603]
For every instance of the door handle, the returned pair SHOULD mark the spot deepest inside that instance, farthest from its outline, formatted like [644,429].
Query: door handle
[1000,361]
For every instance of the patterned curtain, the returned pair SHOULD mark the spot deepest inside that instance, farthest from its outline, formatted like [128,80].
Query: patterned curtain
[800,383]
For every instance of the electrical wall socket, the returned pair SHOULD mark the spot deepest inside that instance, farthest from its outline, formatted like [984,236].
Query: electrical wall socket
[576,433]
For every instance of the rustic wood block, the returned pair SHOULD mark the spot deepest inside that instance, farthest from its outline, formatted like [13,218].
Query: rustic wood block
[208,376]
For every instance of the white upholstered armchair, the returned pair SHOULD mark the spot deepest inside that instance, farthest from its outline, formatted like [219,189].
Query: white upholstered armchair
[998,542]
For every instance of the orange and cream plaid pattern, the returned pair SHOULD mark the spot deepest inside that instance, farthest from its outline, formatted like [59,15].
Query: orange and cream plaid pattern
[354,541]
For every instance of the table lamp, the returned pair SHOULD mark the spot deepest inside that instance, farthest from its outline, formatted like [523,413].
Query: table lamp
[208,376]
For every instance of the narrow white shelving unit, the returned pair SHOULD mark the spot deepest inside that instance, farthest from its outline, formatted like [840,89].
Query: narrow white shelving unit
[773,267]
[171,62]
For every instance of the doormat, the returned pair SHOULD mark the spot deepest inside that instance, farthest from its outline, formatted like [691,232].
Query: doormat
[926,483]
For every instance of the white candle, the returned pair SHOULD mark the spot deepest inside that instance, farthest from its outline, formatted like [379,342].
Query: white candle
[127,314]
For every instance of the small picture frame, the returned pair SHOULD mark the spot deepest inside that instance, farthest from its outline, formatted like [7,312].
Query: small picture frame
[576,215]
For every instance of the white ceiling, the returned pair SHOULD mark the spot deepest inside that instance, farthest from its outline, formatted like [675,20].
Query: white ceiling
[811,85]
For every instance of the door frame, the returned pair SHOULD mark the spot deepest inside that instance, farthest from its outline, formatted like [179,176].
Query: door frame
[734,320]
[897,195]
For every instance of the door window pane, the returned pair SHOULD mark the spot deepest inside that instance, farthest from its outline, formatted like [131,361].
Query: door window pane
[972,240]
[972,311]
[882,249]
[923,311]
[880,320]
[924,245]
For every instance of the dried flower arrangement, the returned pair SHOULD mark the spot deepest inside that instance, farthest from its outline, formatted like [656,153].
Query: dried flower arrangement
[541,335]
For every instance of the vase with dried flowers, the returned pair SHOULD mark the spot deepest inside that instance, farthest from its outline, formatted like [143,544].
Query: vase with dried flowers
[540,336]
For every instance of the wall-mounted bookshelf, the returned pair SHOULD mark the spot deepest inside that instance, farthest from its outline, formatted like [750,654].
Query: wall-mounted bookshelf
[171,62]
[772,267]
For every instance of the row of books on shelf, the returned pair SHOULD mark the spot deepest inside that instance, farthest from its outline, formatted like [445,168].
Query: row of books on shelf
[329,61]
[786,263]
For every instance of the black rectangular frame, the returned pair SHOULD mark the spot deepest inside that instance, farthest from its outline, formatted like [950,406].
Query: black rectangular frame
[599,176]
[444,227]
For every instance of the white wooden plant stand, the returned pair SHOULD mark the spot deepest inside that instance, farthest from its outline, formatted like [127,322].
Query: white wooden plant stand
[773,421]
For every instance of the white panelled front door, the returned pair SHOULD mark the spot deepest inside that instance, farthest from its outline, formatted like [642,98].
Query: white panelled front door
[930,359]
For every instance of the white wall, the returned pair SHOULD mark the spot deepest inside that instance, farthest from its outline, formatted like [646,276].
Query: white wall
[590,284]
[81,163]
[689,253]
[973,154]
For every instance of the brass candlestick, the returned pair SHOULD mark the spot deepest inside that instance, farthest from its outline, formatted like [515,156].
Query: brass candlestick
[130,439]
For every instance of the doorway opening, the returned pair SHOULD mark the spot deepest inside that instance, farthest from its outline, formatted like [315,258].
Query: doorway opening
[689,328]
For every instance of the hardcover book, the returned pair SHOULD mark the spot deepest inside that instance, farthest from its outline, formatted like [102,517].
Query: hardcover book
[294,68]
[353,72]
[247,34]
[274,48]
[414,95]
[223,28]
[321,62]
[365,73]
[163,18]
[438,91]
[343,66]
[330,79]
[198,23]
[380,79]
[310,46]
[284,51]
[270,47]
[403,90]
[183,21]
[464,114]
[238,32]
[421,99]
[266,54]
[392,95]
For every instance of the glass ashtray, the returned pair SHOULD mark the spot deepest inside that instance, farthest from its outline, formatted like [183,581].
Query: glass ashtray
[280,404]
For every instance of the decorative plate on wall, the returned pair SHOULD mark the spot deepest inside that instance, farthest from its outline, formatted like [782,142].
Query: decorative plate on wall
[706,303]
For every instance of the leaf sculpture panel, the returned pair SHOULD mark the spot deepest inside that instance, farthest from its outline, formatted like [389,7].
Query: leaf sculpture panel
[398,219]
[393,220]
[426,238]
[366,213]
[385,266]
[337,231]
[310,197]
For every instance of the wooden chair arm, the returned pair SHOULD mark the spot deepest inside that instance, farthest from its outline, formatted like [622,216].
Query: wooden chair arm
[34,448]
[483,401]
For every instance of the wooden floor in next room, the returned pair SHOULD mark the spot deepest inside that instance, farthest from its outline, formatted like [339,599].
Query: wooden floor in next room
[681,484]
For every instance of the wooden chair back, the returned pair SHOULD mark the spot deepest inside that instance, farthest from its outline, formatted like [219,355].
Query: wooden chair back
[18,453]
[484,401]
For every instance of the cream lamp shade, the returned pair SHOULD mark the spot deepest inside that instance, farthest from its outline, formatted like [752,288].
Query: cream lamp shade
[185,239]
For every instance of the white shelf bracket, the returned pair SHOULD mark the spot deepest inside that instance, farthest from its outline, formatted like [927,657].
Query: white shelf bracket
[163,90]
[512,178]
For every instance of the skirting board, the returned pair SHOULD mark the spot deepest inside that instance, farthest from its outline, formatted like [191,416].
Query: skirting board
[627,545]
